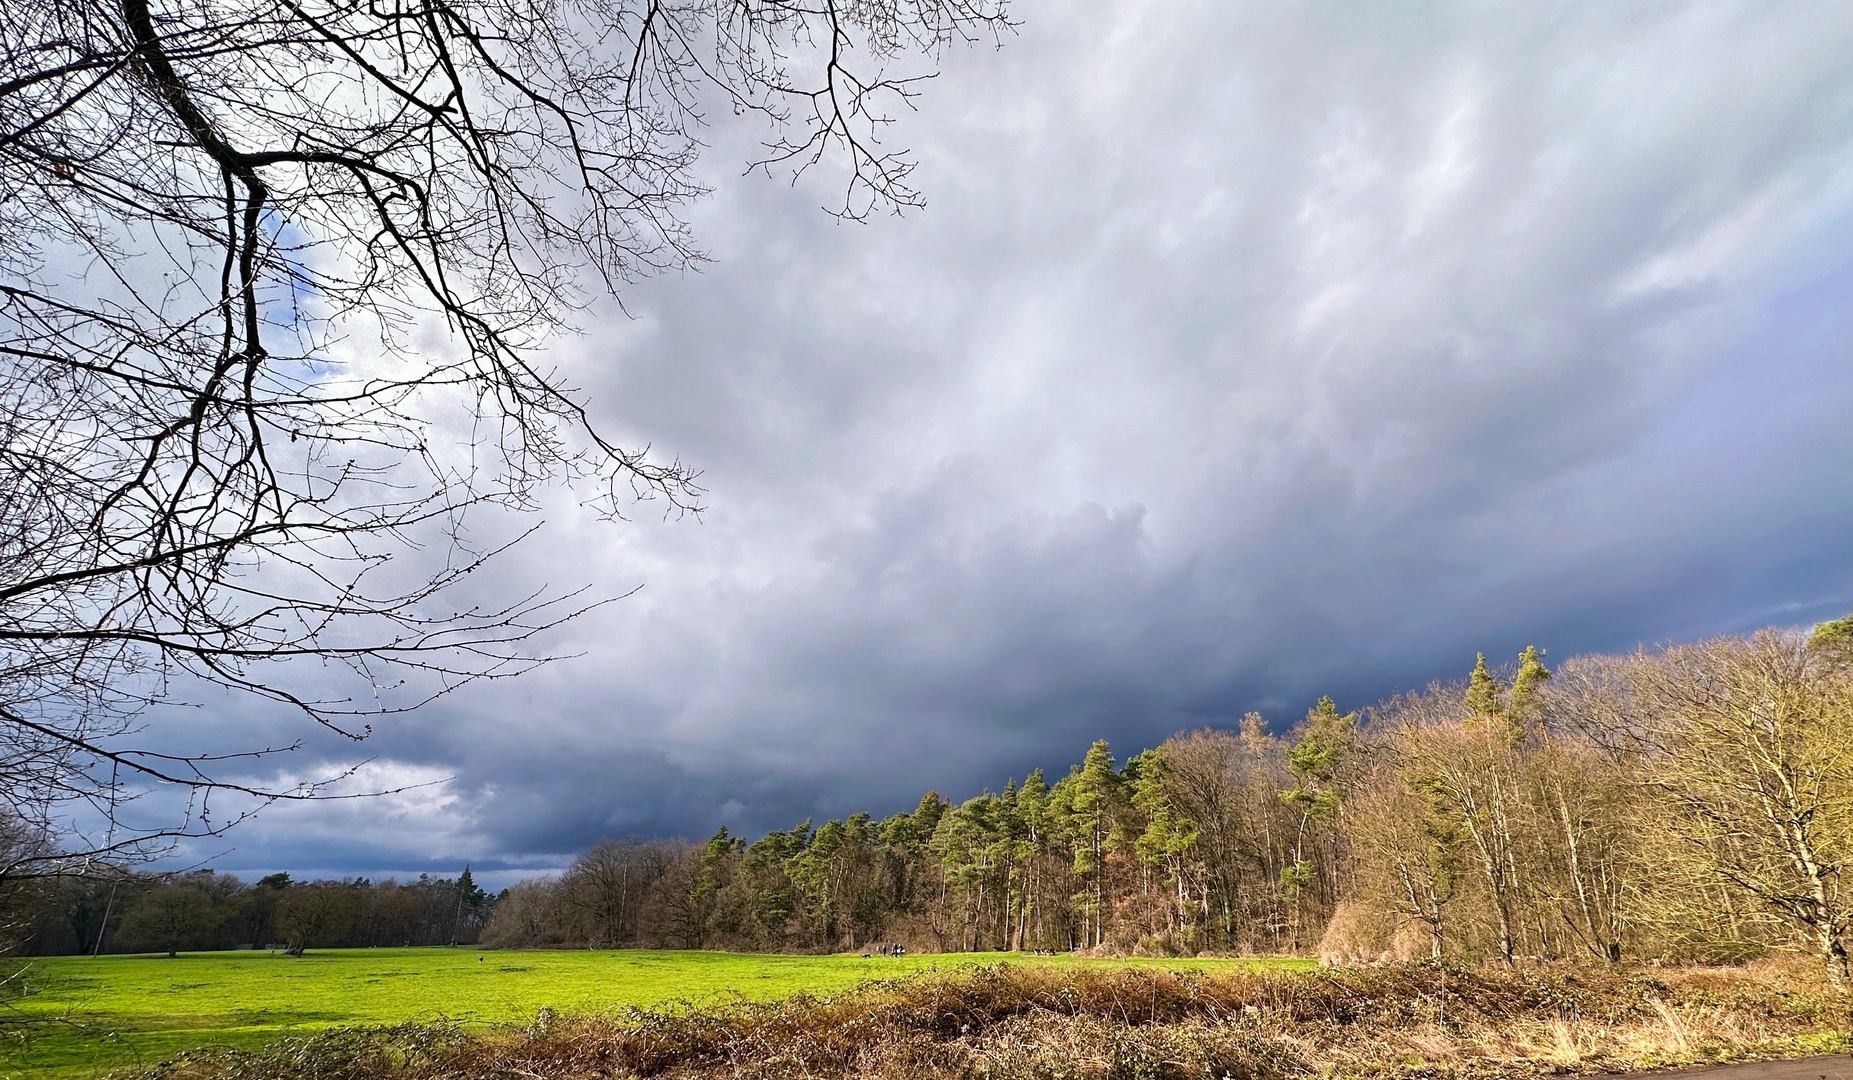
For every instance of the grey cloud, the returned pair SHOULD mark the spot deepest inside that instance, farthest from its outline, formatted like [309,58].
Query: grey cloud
[1246,353]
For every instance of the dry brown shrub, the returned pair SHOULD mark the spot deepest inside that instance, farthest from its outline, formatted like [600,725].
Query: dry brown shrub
[1360,934]
[1008,1022]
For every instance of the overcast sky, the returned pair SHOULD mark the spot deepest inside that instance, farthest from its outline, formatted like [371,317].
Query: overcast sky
[1245,352]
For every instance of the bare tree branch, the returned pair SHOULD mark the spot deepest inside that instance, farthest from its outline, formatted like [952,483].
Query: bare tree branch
[222,229]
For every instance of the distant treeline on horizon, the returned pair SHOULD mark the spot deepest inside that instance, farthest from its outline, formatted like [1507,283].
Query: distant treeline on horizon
[1691,802]
[130,912]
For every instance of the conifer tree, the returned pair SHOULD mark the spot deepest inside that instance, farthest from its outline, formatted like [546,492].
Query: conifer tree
[1483,691]
[473,896]
[1524,704]
[1169,835]
[713,857]
[1032,807]
[1326,737]
[1092,799]
[1833,642]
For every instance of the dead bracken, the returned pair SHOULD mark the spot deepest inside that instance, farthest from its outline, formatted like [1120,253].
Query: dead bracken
[1417,1020]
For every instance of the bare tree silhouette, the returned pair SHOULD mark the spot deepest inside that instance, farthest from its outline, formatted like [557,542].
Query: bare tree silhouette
[275,283]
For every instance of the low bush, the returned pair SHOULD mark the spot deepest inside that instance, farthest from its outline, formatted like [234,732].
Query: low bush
[1421,1019]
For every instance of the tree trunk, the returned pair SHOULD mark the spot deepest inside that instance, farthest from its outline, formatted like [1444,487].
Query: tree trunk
[1834,951]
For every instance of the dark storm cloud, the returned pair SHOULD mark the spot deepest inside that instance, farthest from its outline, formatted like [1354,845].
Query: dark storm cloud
[1246,353]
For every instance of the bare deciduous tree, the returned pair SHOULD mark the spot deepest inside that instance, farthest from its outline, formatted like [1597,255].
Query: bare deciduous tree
[316,914]
[275,282]
[1754,773]
[1470,770]
[1410,851]
[170,917]
[609,885]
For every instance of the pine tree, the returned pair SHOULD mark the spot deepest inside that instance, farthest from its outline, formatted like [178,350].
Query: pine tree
[1833,642]
[470,900]
[1169,834]
[1524,704]
[1483,691]
[1326,739]
[473,897]
[713,857]
[1033,845]
[1092,801]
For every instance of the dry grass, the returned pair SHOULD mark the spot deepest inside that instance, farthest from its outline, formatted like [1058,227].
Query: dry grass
[1413,1020]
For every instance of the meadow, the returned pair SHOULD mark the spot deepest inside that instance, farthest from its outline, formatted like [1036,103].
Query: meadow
[89,1016]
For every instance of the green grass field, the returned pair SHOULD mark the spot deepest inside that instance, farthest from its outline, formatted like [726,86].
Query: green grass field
[91,1016]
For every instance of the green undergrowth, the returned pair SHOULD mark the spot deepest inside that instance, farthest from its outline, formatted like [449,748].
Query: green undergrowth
[84,1017]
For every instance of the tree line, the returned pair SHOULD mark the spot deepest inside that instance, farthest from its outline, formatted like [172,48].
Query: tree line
[1694,801]
[1689,802]
[200,910]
